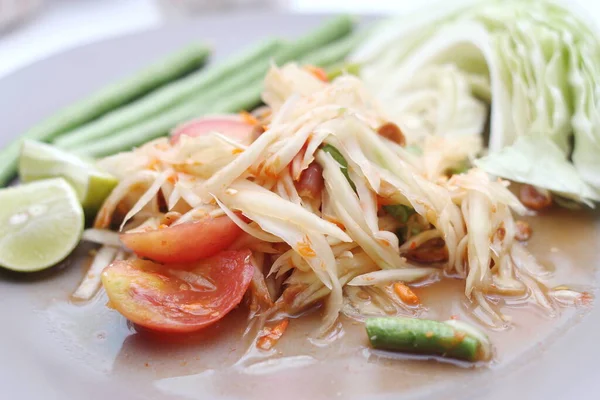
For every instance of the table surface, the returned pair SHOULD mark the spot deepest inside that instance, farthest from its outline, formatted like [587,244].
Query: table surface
[63,24]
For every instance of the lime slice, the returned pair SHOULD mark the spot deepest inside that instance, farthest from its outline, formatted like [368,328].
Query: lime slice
[42,161]
[40,224]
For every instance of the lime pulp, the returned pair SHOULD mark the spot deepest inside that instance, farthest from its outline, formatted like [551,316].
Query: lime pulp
[40,224]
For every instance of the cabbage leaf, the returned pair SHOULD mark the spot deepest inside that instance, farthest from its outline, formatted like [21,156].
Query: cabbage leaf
[550,170]
[537,60]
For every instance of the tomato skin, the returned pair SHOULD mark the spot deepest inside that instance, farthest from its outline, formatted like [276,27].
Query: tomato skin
[155,296]
[183,243]
[311,181]
[232,126]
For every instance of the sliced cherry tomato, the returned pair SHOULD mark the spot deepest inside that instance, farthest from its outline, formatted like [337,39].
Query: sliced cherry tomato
[311,181]
[187,242]
[176,297]
[232,126]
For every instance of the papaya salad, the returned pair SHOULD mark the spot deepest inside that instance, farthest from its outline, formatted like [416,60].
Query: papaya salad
[368,170]
[313,200]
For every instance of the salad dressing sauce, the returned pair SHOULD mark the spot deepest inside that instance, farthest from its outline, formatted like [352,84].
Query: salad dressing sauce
[223,361]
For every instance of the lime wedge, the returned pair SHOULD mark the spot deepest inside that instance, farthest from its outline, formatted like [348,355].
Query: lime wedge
[40,224]
[42,161]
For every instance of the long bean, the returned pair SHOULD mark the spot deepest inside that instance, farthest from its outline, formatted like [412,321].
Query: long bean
[122,92]
[138,134]
[170,95]
[245,99]
[221,99]
[329,57]
[111,97]
[428,337]
[154,128]
[252,84]
[244,88]
[328,32]
[336,51]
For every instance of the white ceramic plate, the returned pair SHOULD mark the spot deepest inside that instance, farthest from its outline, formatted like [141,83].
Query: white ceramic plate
[53,349]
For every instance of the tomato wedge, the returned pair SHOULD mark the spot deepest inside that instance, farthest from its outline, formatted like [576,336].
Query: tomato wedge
[232,126]
[178,298]
[187,242]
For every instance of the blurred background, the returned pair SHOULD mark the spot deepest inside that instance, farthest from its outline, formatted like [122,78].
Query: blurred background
[34,29]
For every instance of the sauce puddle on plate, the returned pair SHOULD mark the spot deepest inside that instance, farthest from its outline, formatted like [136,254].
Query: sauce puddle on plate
[222,362]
